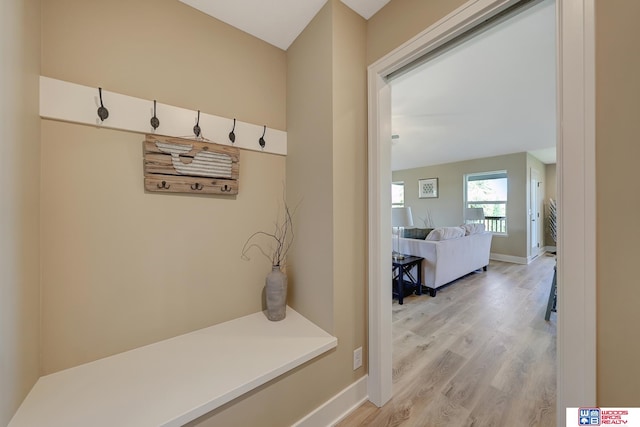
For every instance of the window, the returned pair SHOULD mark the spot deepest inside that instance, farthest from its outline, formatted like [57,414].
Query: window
[488,190]
[397,194]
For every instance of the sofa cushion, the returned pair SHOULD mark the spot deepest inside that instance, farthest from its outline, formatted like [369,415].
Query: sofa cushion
[416,233]
[473,228]
[446,233]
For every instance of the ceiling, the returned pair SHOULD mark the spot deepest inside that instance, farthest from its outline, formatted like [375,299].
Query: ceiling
[493,94]
[278,22]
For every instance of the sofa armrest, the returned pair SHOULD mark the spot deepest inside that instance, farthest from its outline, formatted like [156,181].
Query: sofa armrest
[425,249]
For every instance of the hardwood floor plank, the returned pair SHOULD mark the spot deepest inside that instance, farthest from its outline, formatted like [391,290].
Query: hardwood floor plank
[470,340]
[357,418]
[491,410]
[466,388]
[442,412]
[478,354]
[432,379]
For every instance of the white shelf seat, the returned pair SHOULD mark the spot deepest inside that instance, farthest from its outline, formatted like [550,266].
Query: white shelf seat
[172,382]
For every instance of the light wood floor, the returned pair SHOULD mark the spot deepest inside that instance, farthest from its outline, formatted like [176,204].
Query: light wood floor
[478,354]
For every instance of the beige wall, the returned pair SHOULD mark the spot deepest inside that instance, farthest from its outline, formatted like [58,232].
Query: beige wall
[551,189]
[349,188]
[326,114]
[122,268]
[446,209]
[165,50]
[309,168]
[20,204]
[617,153]
[401,20]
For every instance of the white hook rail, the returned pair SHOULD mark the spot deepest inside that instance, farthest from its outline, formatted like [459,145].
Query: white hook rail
[71,102]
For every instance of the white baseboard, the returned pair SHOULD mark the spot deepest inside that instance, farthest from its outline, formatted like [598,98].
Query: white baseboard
[509,258]
[338,407]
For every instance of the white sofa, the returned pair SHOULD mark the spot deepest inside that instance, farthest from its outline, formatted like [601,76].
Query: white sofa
[450,259]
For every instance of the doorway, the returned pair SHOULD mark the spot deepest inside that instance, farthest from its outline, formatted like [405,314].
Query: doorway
[576,176]
[534,214]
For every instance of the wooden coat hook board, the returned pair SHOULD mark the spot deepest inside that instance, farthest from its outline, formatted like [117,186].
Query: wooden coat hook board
[178,165]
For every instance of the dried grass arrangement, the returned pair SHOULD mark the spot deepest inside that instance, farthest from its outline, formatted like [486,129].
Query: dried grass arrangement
[275,245]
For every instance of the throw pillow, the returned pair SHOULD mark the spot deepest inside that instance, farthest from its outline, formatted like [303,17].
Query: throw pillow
[474,228]
[416,233]
[422,233]
[409,233]
[446,233]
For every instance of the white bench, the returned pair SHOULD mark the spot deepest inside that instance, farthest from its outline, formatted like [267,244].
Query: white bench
[172,382]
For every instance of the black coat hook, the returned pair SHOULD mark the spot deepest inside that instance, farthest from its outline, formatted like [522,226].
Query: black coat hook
[261,141]
[196,128]
[197,186]
[103,113]
[232,135]
[154,120]
[226,188]
[163,185]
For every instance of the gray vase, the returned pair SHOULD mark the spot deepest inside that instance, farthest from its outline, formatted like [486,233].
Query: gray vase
[276,294]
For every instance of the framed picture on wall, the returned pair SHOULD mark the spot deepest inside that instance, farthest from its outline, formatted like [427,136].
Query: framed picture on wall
[428,188]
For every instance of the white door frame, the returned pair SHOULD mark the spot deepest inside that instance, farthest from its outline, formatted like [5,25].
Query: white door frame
[576,362]
[534,218]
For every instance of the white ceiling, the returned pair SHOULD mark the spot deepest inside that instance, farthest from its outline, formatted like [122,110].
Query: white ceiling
[366,8]
[493,94]
[278,22]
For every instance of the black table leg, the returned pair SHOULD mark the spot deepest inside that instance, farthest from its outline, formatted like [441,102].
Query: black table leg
[551,304]
[400,285]
[402,268]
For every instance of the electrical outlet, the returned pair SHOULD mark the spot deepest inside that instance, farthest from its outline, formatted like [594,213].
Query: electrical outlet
[357,358]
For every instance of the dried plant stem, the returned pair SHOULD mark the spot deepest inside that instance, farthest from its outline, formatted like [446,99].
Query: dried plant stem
[282,236]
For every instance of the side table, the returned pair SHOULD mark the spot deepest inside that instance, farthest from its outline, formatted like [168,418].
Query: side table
[402,268]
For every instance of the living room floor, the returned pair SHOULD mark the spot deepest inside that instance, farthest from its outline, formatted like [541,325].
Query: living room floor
[478,354]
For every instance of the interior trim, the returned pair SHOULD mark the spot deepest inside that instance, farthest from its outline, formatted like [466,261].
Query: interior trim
[576,206]
[338,407]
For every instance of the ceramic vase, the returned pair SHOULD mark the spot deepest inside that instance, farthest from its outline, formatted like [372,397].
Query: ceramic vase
[276,294]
